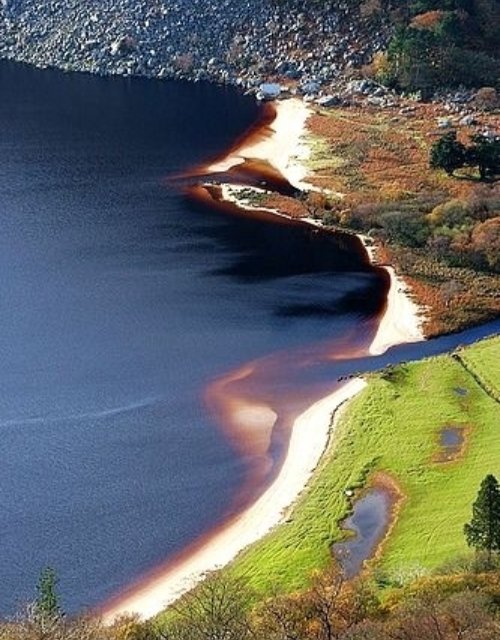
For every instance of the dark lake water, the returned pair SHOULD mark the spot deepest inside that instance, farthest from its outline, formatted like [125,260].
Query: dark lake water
[120,299]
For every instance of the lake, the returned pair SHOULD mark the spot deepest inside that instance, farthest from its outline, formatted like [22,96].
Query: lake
[121,300]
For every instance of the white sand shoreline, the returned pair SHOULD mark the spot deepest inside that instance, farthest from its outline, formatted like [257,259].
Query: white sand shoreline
[403,317]
[311,430]
[304,452]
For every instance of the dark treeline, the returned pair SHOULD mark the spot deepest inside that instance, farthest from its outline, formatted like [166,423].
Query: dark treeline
[440,43]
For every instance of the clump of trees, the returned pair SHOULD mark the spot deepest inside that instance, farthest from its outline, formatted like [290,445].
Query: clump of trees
[456,232]
[455,607]
[450,154]
[442,42]
[332,609]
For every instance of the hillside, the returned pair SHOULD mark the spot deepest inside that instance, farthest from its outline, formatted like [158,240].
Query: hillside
[228,41]
[441,43]
[428,42]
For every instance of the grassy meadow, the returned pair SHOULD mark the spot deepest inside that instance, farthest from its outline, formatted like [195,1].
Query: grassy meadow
[394,427]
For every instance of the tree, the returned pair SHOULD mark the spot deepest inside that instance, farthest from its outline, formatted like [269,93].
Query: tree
[27,626]
[337,604]
[282,617]
[447,153]
[430,616]
[215,610]
[483,531]
[485,240]
[414,60]
[485,154]
[47,602]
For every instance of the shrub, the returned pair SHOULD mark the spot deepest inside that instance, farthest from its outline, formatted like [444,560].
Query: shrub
[453,213]
[447,153]
[485,154]
[487,98]
[485,240]
[406,229]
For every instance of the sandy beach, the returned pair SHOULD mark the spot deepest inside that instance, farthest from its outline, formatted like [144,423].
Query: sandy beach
[308,440]
[284,148]
[402,319]
[282,145]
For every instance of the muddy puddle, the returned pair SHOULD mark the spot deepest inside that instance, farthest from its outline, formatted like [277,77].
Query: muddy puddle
[368,522]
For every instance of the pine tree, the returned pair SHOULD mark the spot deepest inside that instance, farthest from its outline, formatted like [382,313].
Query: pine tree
[483,531]
[47,602]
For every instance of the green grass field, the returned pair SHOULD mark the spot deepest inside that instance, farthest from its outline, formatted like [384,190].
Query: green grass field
[394,426]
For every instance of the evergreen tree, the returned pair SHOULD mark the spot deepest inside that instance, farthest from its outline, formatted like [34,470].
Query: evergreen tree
[447,153]
[47,602]
[483,531]
[485,154]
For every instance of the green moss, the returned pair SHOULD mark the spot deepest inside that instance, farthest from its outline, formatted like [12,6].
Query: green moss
[321,155]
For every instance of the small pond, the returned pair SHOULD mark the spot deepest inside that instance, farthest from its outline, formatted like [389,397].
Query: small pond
[451,440]
[368,521]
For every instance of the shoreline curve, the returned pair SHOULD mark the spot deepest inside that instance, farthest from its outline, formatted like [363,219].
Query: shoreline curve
[281,146]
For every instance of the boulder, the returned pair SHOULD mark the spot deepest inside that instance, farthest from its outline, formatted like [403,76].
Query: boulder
[310,88]
[268,91]
[328,101]
[125,44]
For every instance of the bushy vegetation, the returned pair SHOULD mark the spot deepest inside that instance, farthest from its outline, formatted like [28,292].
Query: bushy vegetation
[461,233]
[442,43]
[441,232]
[464,606]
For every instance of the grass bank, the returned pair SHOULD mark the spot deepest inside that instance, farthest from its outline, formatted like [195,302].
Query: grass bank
[393,426]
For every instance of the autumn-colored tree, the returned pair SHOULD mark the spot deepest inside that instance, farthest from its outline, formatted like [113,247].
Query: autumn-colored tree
[282,617]
[336,604]
[215,610]
[133,628]
[462,615]
[485,239]
[427,20]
